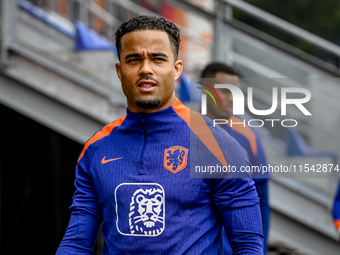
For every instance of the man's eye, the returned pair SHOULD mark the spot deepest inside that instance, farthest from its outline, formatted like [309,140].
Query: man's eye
[159,59]
[133,60]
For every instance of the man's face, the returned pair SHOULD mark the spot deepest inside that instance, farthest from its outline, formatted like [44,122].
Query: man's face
[147,70]
[226,110]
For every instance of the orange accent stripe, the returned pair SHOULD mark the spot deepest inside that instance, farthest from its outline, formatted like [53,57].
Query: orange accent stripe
[200,128]
[337,224]
[181,110]
[101,134]
[246,132]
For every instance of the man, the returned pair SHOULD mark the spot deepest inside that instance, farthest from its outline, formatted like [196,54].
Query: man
[134,174]
[336,209]
[220,73]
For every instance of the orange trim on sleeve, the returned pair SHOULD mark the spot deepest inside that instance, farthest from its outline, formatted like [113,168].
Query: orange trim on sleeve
[246,132]
[337,224]
[200,128]
[182,111]
[101,134]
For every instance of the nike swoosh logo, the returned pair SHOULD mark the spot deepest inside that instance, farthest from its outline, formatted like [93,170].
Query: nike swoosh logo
[104,161]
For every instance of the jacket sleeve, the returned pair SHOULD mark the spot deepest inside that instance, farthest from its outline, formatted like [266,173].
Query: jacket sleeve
[236,199]
[238,204]
[261,185]
[86,217]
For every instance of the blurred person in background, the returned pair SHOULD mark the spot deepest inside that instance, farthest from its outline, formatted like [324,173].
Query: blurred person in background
[134,174]
[220,73]
[336,209]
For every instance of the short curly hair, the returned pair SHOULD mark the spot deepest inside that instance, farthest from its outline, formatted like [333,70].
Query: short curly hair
[211,69]
[145,22]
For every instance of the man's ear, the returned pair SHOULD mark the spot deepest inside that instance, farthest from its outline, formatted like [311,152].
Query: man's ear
[178,68]
[118,70]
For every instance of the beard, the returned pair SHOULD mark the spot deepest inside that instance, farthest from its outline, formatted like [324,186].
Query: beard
[148,104]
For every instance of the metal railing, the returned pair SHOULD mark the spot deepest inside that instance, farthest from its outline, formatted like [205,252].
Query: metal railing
[284,26]
[223,13]
[106,20]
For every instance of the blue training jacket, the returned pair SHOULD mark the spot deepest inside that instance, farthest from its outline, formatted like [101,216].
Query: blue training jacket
[134,177]
[251,142]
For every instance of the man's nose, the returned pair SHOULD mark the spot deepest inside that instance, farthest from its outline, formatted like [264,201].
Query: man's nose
[145,68]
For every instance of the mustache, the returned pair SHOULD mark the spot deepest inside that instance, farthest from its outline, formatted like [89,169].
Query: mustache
[146,78]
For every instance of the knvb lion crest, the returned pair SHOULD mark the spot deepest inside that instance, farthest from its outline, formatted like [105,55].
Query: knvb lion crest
[140,209]
[147,212]
[175,159]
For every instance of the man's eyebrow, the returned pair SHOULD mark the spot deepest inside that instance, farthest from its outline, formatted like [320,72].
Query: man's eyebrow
[154,54]
[159,54]
[132,55]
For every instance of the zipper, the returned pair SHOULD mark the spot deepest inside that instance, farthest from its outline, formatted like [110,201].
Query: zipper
[141,163]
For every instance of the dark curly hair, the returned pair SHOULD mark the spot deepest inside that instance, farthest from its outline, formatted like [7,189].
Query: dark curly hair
[211,69]
[146,22]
